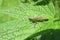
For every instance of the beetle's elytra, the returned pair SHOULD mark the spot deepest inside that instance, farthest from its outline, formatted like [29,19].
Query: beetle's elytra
[38,19]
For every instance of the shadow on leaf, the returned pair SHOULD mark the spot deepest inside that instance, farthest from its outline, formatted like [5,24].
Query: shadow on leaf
[35,0]
[43,2]
[50,34]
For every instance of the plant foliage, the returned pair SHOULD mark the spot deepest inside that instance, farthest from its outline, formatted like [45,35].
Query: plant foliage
[15,24]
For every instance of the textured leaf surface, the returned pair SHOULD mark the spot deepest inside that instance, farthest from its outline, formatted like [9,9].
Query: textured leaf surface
[14,22]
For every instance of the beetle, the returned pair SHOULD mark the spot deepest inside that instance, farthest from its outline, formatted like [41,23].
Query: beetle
[38,19]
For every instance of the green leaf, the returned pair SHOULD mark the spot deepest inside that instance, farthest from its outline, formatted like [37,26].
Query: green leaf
[14,18]
[8,3]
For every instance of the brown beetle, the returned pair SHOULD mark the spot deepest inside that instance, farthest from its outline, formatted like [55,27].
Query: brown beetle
[38,19]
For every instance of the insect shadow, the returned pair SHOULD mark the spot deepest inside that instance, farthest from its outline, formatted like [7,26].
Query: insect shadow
[43,2]
[49,34]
